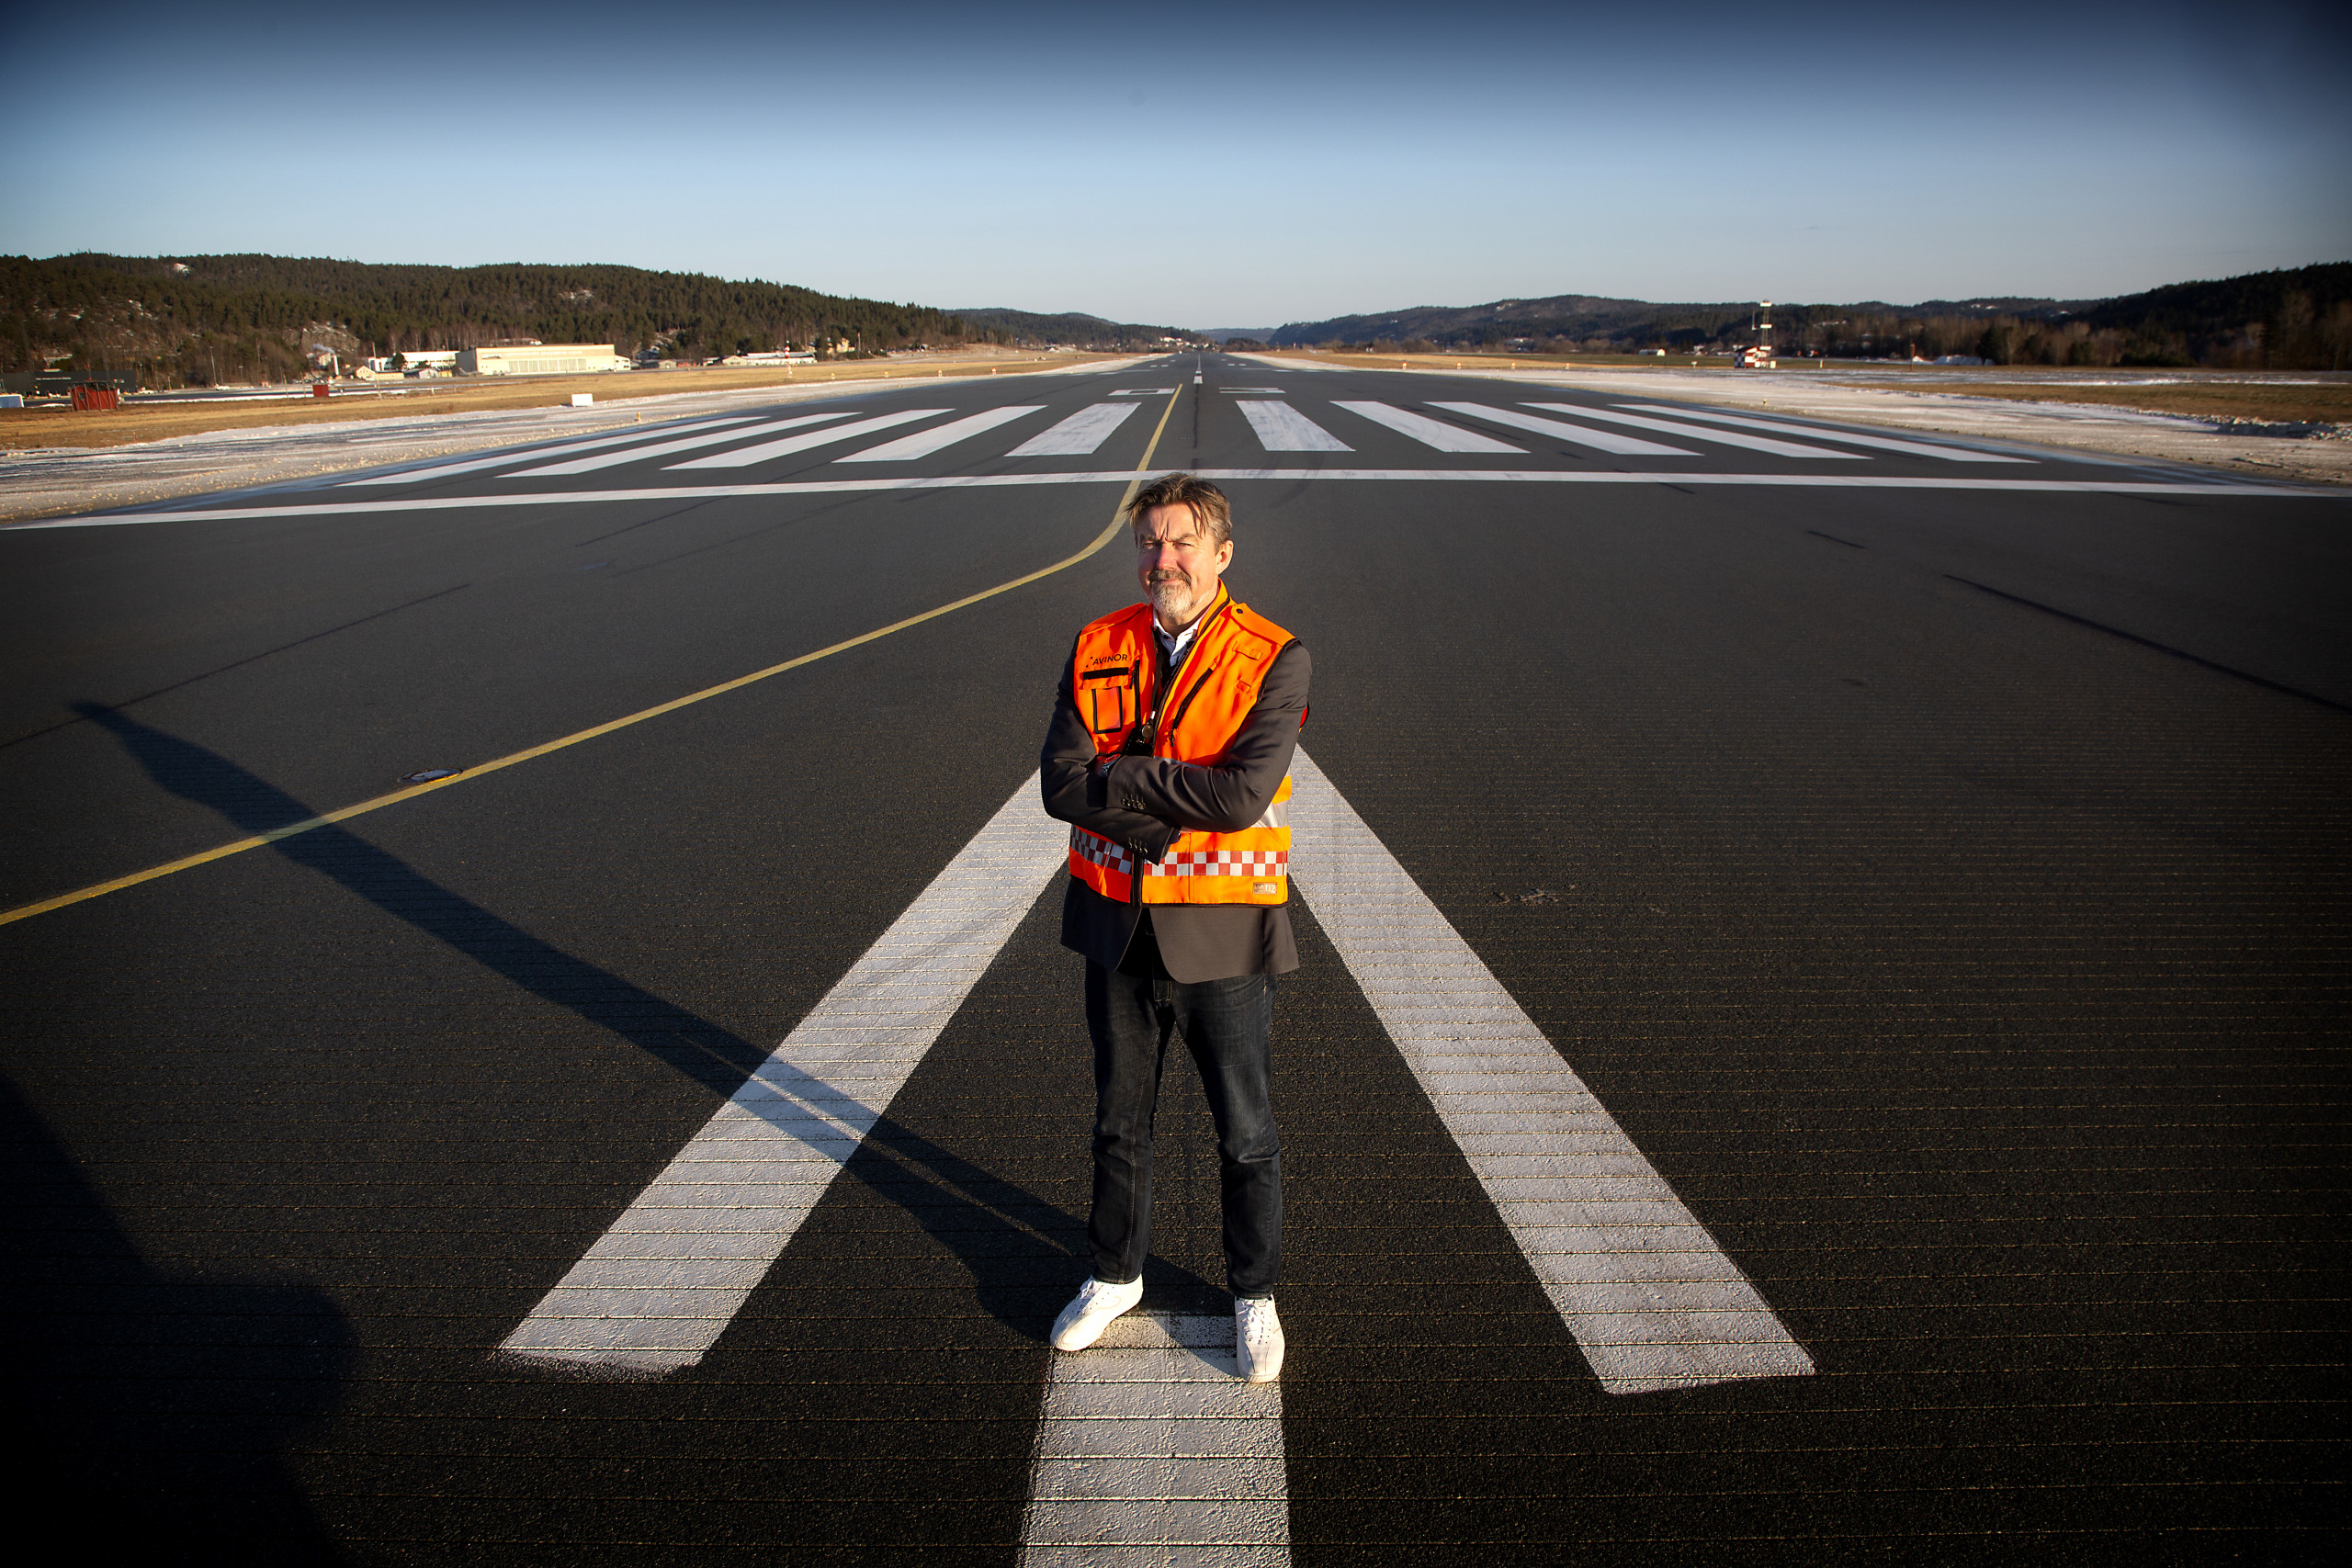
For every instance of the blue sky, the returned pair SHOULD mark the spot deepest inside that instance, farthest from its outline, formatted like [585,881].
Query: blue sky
[1211,165]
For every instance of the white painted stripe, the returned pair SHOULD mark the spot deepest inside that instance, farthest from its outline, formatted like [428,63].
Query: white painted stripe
[939,436]
[666,448]
[506,459]
[744,456]
[657,1290]
[1282,428]
[1247,391]
[1078,434]
[1695,432]
[670,494]
[1145,392]
[1430,432]
[1275,363]
[1151,1450]
[1650,1297]
[1581,435]
[1843,437]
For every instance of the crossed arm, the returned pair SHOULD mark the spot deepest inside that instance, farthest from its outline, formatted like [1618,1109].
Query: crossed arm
[1147,801]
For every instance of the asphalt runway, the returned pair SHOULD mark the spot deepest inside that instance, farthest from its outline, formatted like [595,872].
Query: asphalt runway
[1931,868]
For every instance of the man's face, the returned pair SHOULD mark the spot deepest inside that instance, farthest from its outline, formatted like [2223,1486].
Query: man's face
[1178,564]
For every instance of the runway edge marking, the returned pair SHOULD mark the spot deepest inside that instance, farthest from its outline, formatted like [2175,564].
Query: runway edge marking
[1651,1299]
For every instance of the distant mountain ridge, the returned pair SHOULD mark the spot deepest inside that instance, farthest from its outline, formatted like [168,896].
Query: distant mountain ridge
[2293,319]
[1074,328]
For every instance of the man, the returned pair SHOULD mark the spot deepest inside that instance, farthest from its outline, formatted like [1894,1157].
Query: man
[1168,755]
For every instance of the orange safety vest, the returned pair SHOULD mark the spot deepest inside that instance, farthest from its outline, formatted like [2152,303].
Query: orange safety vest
[1115,668]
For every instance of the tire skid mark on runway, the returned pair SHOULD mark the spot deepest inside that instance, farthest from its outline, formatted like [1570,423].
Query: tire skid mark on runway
[659,1287]
[1651,1299]
[1151,1449]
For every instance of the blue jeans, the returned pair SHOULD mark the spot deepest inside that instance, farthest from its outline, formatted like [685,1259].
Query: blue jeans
[1227,1026]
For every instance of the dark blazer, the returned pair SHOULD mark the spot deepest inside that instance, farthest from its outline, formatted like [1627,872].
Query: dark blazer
[1197,942]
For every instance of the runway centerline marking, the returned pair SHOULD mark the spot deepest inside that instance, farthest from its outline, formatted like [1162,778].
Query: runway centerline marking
[1150,1450]
[1651,1299]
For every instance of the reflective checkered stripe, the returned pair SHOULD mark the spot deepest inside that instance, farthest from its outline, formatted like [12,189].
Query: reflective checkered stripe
[1221,863]
[1097,851]
[1252,867]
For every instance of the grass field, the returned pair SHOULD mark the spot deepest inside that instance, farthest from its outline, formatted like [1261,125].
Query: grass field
[136,421]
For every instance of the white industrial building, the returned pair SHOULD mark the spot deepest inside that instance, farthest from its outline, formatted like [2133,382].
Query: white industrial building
[540,359]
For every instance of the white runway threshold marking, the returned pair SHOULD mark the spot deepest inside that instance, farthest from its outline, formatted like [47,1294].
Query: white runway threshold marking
[664,448]
[1152,1451]
[743,457]
[1843,437]
[1651,1298]
[924,443]
[506,459]
[1078,436]
[1282,428]
[1578,434]
[1430,432]
[658,1288]
[1697,433]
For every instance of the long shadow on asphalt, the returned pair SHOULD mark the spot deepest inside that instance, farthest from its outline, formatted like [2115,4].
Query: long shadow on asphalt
[968,1210]
[152,1411]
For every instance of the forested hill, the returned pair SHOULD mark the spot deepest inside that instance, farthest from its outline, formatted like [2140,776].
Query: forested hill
[2302,313]
[1071,328]
[2300,319]
[195,319]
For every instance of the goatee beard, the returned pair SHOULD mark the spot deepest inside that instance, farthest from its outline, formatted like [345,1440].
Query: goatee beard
[1172,598]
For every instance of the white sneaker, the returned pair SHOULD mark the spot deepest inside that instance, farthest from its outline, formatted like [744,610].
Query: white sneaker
[1083,1321]
[1256,1339]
